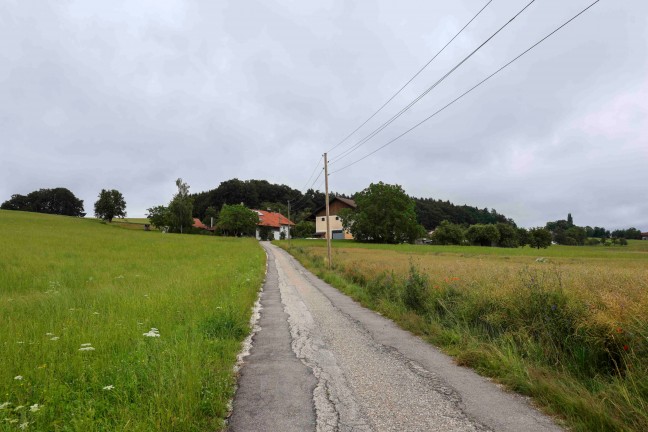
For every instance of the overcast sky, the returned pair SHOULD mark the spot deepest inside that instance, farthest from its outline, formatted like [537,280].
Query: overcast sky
[131,95]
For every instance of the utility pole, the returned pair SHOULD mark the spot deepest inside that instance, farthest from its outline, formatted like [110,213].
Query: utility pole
[328,223]
[289,236]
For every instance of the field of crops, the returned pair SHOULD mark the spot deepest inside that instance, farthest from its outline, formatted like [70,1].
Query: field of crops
[566,325]
[106,329]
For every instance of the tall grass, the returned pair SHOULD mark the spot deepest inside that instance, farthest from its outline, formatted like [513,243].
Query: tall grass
[570,330]
[80,305]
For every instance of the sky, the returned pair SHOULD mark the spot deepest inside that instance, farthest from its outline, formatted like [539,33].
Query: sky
[133,95]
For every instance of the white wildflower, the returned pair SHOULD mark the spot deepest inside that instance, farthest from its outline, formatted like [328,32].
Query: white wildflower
[23,426]
[86,344]
[5,405]
[109,387]
[55,338]
[86,349]
[35,407]
[49,334]
[152,333]
[13,421]
[19,407]
[18,377]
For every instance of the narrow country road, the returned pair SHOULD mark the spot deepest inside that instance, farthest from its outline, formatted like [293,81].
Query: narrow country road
[320,361]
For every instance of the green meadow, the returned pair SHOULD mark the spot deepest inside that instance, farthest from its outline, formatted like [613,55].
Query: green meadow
[566,325]
[106,329]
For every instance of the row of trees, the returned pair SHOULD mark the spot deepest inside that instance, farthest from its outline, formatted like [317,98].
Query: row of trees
[60,201]
[500,234]
[565,232]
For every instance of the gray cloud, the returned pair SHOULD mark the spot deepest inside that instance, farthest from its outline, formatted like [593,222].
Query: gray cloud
[133,95]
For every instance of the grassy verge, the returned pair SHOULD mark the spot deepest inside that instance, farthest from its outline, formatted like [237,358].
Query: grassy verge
[567,326]
[82,305]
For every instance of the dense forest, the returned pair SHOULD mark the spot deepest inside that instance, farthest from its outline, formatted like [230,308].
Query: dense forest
[431,213]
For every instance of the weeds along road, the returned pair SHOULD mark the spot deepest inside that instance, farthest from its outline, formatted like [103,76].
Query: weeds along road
[322,362]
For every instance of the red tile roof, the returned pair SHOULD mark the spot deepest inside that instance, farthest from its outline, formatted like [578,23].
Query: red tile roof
[271,219]
[198,224]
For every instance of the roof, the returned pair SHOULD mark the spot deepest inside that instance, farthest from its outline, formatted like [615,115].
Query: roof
[271,219]
[198,224]
[347,201]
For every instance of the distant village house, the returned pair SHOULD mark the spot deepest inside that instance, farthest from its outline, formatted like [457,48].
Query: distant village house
[276,222]
[644,236]
[335,222]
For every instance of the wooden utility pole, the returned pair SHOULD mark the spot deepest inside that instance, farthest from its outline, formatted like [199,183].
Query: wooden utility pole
[289,236]
[328,222]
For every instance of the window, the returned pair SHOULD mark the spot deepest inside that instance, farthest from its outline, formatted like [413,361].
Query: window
[323,219]
[337,218]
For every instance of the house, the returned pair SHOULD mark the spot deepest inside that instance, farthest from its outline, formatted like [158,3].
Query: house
[276,222]
[644,236]
[198,224]
[335,222]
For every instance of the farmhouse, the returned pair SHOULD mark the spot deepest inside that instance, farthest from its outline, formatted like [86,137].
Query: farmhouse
[335,222]
[644,236]
[276,222]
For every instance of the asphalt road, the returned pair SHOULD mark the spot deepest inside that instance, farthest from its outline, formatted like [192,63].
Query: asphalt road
[320,361]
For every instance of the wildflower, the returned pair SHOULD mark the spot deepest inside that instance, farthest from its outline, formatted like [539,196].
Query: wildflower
[86,344]
[34,408]
[5,405]
[23,426]
[626,347]
[19,407]
[18,377]
[49,334]
[86,349]
[152,333]
[55,338]
[109,387]
[619,330]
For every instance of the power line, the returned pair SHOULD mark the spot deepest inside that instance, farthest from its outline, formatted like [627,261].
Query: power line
[411,79]
[471,89]
[432,87]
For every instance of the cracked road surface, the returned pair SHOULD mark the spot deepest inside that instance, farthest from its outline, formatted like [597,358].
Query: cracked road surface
[322,362]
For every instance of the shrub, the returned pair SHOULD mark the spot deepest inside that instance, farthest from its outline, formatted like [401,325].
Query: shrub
[415,290]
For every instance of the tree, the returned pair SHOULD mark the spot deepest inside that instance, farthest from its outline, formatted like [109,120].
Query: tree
[58,201]
[158,216]
[508,235]
[483,235]
[384,214]
[448,234]
[110,205]
[237,220]
[523,237]
[539,238]
[303,229]
[181,207]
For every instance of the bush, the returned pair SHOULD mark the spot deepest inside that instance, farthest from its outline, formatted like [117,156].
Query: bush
[415,290]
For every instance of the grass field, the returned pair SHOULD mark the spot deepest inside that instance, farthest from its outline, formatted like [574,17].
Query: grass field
[107,329]
[566,325]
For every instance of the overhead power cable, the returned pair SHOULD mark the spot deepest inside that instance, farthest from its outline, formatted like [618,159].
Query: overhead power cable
[472,88]
[429,89]
[410,80]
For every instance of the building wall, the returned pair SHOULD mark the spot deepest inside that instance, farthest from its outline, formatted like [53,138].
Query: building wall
[335,221]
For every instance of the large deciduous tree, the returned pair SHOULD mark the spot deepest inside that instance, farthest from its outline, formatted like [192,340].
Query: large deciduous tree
[539,237]
[111,204]
[483,234]
[384,214]
[237,220]
[448,233]
[158,216]
[181,207]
